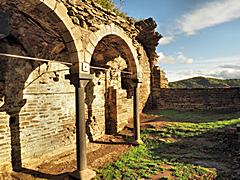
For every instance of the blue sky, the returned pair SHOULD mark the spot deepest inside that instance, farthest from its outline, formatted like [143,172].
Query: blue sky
[201,37]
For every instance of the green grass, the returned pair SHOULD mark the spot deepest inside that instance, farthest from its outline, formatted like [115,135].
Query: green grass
[195,117]
[138,162]
[109,4]
[181,153]
[178,129]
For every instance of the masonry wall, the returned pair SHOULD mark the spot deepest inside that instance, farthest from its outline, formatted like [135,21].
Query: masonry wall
[109,105]
[209,99]
[37,113]
[37,104]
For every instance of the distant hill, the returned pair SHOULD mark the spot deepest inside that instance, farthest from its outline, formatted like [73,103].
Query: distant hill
[203,82]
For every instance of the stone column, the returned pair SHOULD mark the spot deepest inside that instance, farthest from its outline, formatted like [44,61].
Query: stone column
[80,81]
[136,117]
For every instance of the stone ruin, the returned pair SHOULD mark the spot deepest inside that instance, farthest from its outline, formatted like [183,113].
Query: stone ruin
[38,103]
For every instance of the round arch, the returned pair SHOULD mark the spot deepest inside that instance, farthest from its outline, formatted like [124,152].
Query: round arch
[115,32]
[70,32]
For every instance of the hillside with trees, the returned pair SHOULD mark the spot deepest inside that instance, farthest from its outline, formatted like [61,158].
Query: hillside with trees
[204,82]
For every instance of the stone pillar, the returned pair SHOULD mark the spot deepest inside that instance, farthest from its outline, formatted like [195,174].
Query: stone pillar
[80,126]
[80,81]
[136,117]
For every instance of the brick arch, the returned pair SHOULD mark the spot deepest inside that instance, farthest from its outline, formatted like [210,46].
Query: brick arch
[71,33]
[113,30]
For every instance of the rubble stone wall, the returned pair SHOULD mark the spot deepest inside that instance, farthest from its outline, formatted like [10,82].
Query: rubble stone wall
[37,104]
[204,99]
[37,113]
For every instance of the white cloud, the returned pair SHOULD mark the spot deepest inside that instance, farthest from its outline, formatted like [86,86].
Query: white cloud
[226,71]
[179,75]
[214,73]
[230,66]
[219,67]
[166,40]
[220,74]
[225,74]
[183,59]
[210,14]
[180,58]
[165,59]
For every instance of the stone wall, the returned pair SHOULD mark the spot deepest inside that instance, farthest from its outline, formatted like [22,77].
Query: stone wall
[36,114]
[109,105]
[208,99]
[159,78]
[37,104]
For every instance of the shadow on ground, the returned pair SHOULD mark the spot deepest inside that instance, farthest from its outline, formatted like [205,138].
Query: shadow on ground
[217,148]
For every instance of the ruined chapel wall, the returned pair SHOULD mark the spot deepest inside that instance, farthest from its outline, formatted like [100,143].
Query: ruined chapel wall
[203,99]
[95,106]
[5,137]
[47,120]
[36,110]
[37,115]
[92,17]
[5,147]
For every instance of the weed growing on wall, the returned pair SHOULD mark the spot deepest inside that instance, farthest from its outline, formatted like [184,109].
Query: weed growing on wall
[109,4]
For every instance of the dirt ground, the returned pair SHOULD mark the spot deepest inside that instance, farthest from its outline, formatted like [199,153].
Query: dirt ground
[105,150]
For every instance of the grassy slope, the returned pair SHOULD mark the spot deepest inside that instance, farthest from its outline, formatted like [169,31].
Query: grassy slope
[202,82]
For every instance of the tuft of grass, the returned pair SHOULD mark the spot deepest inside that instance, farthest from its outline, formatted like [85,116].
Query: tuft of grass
[109,4]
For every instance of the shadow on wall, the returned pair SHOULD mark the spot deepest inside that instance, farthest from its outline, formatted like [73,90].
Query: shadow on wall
[149,105]
[12,86]
[13,76]
[35,36]
[89,90]
[12,97]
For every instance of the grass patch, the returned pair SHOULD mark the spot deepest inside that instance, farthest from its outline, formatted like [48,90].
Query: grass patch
[193,141]
[195,117]
[138,162]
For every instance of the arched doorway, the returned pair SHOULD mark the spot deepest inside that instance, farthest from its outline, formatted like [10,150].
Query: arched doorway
[113,58]
[49,36]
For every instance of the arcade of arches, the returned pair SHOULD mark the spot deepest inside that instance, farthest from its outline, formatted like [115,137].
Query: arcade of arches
[99,79]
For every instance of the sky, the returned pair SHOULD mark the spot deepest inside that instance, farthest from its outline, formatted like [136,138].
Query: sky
[200,37]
